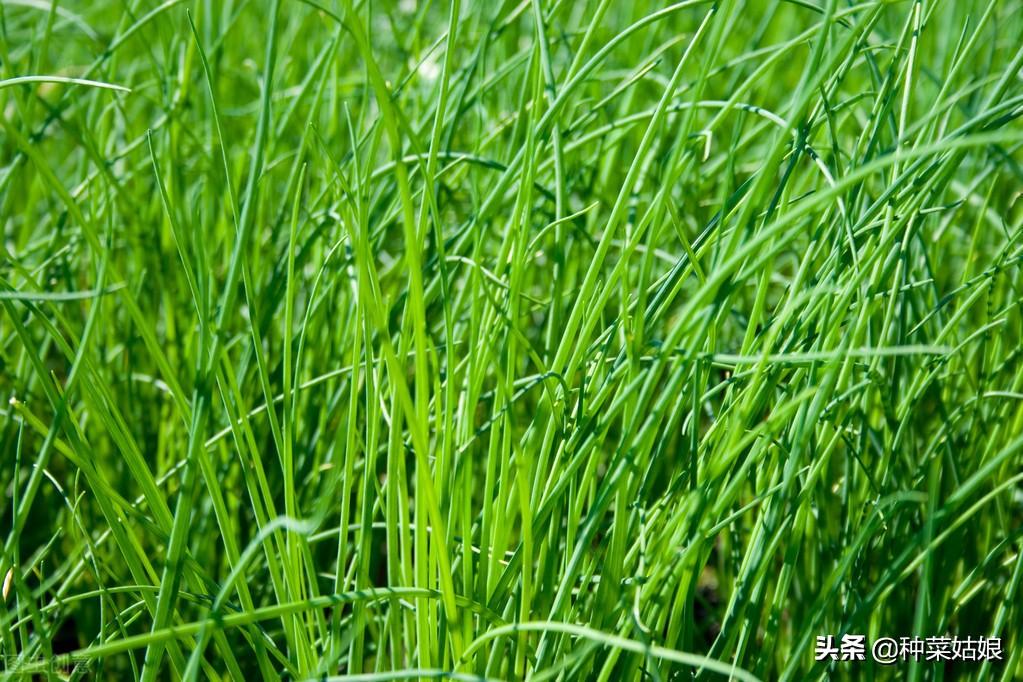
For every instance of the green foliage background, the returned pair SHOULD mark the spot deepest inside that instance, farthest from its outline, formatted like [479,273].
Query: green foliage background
[578,340]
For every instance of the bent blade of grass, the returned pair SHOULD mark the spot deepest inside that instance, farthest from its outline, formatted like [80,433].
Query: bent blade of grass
[62,80]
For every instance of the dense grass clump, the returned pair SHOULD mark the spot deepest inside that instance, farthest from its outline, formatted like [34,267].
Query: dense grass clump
[555,340]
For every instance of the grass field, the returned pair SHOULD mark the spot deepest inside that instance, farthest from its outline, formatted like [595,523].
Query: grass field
[539,339]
